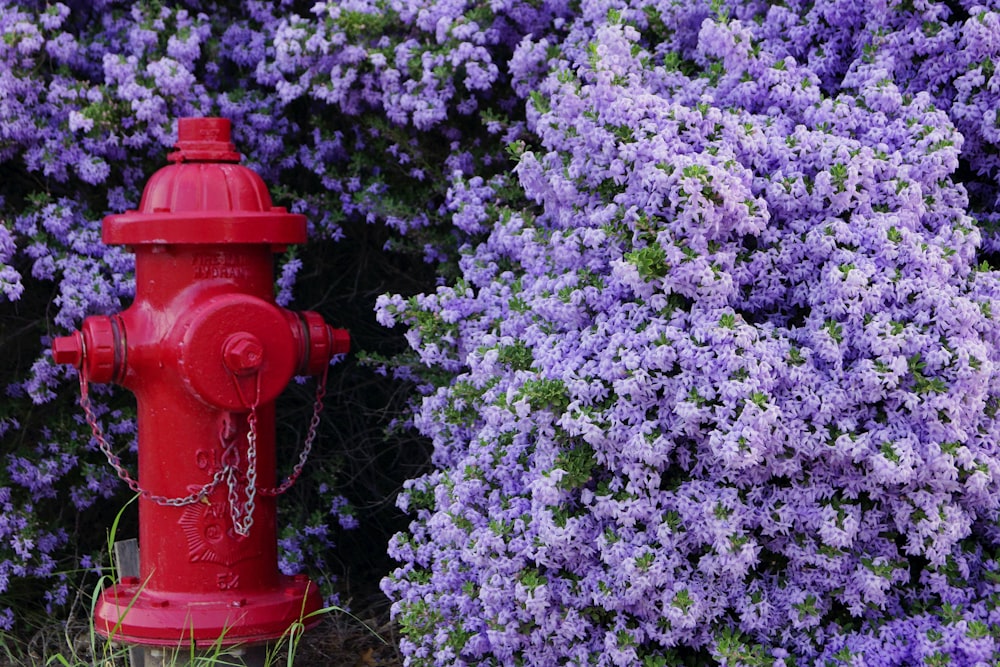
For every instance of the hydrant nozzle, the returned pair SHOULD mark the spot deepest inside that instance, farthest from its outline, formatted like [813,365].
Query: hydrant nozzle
[96,350]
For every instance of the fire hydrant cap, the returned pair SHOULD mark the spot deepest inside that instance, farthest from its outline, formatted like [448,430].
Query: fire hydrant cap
[204,139]
[205,196]
[68,349]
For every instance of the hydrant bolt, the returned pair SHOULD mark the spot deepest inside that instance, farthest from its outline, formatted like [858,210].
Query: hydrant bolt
[243,353]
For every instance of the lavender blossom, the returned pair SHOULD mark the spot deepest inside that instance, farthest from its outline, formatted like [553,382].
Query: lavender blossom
[726,389]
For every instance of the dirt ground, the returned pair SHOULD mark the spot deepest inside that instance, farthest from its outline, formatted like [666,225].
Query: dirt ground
[343,641]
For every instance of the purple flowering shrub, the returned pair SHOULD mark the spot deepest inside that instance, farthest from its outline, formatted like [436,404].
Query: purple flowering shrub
[57,147]
[426,101]
[725,388]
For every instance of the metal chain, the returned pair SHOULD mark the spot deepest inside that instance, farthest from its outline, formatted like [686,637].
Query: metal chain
[307,444]
[123,474]
[240,512]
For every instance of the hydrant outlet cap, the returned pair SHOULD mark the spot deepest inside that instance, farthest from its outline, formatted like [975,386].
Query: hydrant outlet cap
[68,349]
[204,140]
[341,341]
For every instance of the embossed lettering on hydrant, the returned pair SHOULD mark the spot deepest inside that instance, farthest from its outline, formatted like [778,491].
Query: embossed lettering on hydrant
[227,581]
[221,265]
[209,536]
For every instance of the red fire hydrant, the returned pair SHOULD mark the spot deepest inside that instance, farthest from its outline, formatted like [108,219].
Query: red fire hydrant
[206,350]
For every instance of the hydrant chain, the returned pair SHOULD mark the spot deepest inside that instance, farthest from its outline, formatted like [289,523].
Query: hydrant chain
[307,444]
[119,468]
[242,513]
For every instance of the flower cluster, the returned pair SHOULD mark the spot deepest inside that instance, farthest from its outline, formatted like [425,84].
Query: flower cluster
[726,389]
[420,85]
[308,544]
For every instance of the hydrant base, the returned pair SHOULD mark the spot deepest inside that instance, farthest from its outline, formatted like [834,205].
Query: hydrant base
[129,614]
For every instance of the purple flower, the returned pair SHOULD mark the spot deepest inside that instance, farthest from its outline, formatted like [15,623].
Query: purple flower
[725,386]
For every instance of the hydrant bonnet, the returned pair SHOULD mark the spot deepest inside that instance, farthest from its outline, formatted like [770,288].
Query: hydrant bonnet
[205,196]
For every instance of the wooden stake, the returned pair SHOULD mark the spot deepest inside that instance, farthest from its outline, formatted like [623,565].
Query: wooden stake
[127,564]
